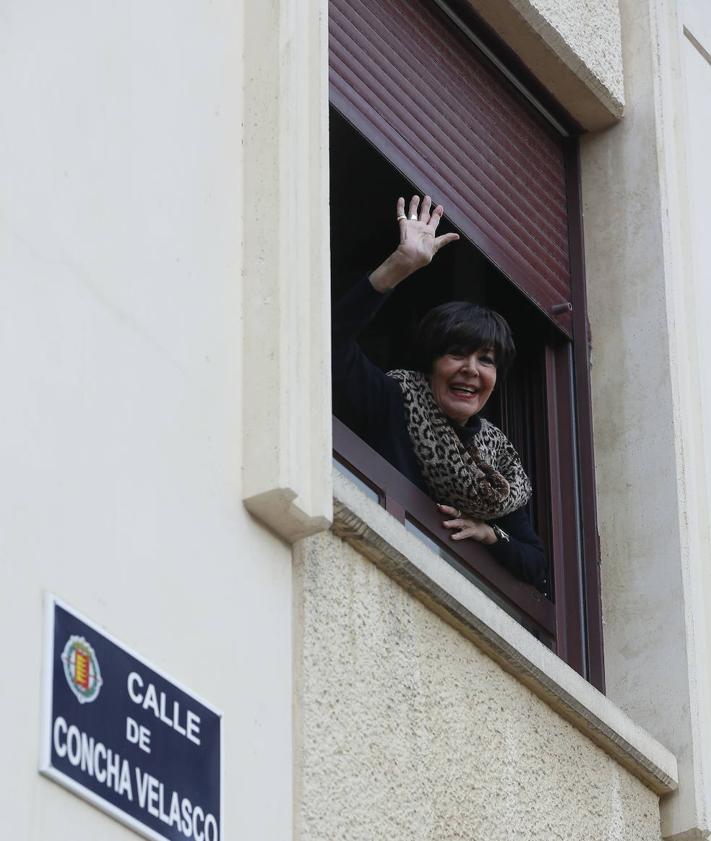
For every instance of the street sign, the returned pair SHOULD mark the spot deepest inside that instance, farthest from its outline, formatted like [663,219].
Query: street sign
[127,738]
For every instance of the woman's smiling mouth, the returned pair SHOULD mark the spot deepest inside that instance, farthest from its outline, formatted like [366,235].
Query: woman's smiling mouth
[464,390]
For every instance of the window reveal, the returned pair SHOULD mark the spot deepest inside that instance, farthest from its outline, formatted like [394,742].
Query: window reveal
[544,405]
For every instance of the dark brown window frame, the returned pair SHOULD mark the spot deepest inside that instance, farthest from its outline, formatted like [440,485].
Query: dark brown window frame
[408,504]
[571,623]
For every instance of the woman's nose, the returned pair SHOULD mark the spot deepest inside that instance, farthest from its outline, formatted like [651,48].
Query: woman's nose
[472,363]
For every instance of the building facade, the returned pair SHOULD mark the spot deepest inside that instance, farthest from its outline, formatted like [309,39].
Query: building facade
[167,446]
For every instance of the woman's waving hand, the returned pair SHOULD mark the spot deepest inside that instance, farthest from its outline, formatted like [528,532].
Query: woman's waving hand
[418,243]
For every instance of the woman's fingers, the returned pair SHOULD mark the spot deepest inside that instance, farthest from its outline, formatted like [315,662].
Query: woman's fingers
[454,524]
[418,243]
[432,218]
[448,509]
[425,210]
[401,217]
[466,532]
[445,239]
[466,528]
[463,528]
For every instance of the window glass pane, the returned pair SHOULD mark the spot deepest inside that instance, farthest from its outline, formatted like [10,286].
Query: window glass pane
[367,490]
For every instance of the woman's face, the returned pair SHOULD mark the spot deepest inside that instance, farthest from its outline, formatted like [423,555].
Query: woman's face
[462,384]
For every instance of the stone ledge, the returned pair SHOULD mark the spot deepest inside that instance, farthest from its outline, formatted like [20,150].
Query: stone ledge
[366,526]
[583,74]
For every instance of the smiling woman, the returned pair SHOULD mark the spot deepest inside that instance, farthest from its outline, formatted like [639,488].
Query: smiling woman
[462,346]
[462,383]
[426,422]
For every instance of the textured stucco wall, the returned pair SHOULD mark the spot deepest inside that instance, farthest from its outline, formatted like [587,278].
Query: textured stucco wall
[573,46]
[406,730]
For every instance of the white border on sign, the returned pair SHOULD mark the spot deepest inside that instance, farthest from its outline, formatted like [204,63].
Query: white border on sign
[45,762]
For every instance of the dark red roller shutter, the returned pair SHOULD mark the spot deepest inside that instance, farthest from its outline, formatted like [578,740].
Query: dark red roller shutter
[421,92]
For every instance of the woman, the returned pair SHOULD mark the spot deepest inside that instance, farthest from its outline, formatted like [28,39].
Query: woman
[426,423]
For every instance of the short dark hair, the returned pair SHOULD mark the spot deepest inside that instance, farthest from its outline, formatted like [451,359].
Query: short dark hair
[461,327]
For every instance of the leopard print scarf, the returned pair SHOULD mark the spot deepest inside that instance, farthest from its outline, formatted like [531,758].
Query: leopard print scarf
[484,480]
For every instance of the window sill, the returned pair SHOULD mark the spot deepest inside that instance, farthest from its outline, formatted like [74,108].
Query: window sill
[361,522]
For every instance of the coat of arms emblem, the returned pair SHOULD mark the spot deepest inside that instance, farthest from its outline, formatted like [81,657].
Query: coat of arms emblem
[81,669]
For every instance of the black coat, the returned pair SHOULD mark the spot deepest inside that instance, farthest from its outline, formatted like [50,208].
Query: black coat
[372,405]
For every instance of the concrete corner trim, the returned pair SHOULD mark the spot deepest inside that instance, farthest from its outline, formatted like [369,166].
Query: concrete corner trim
[574,49]
[286,445]
[691,835]
[366,526]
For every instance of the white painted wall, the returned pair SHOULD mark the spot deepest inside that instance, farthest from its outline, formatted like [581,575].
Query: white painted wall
[646,193]
[694,98]
[121,366]
[695,41]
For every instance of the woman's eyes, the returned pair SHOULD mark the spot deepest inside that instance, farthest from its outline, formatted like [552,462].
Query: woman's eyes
[485,358]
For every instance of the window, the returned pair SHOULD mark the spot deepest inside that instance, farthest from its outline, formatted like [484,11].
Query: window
[507,175]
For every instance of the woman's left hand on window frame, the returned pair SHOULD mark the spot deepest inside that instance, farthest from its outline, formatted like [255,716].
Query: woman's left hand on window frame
[464,528]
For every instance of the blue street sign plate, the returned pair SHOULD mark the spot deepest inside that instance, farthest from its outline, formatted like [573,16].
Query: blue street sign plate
[127,738]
